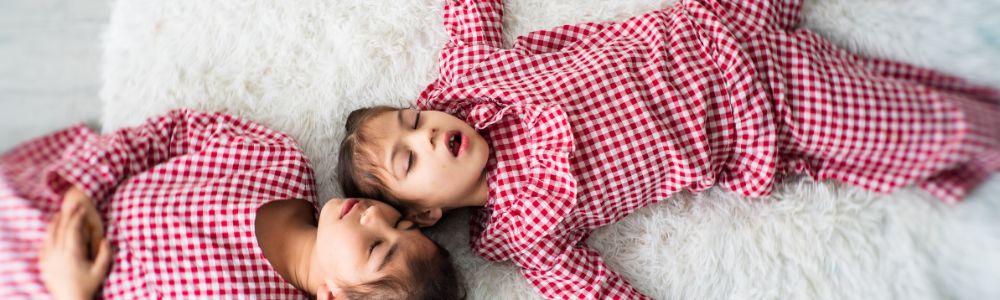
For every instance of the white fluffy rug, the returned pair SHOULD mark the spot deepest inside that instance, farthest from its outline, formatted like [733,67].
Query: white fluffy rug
[300,66]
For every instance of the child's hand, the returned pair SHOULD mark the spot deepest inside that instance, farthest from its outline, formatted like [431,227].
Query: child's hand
[66,270]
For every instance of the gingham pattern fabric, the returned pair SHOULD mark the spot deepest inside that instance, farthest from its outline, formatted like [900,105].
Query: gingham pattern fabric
[178,196]
[590,122]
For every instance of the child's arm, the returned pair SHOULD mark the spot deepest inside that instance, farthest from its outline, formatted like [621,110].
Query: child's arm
[102,163]
[576,272]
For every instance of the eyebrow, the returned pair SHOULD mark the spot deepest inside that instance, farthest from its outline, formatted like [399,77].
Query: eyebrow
[388,257]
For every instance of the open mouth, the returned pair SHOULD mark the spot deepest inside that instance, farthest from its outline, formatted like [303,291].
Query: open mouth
[456,143]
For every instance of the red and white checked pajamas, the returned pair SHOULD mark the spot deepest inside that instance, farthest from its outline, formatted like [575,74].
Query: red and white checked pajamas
[178,196]
[590,122]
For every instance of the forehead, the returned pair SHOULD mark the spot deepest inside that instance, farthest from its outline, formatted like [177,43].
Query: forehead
[382,125]
[380,134]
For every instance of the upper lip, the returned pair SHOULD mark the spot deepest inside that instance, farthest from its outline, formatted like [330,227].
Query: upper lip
[349,205]
[443,140]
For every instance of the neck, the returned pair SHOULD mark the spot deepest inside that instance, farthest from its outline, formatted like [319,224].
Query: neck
[287,237]
[301,243]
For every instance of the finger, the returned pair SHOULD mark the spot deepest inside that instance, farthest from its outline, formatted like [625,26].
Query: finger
[103,261]
[68,205]
[52,232]
[64,220]
[95,231]
[93,245]
[69,230]
[94,220]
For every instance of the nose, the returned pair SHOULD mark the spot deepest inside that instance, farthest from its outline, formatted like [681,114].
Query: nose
[431,136]
[369,216]
[420,136]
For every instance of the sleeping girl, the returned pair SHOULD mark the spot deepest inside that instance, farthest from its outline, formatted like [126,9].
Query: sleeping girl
[196,205]
[575,127]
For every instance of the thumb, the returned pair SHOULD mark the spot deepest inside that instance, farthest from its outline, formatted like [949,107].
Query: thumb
[103,261]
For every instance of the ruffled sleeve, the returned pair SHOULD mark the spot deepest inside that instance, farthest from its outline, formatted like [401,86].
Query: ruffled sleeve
[529,220]
[548,191]
[532,189]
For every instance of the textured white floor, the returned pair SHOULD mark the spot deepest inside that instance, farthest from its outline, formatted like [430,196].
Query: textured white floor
[49,65]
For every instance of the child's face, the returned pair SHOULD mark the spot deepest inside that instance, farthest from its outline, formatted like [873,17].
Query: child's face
[362,240]
[434,161]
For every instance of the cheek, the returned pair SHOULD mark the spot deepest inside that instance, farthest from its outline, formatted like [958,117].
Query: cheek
[484,148]
[432,174]
[426,184]
[337,249]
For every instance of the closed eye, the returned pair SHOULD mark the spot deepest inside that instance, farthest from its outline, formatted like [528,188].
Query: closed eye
[372,248]
[409,162]
[410,157]
[416,120]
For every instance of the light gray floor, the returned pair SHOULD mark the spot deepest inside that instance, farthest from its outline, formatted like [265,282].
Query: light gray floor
[49,65]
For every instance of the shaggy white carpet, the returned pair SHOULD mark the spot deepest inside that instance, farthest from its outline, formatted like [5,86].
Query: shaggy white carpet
[300,66]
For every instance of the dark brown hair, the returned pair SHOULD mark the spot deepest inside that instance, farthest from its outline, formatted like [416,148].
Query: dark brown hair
[430,278]
[357,168]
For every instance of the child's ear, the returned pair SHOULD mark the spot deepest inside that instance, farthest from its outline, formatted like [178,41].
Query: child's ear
[326,291]
[424,217]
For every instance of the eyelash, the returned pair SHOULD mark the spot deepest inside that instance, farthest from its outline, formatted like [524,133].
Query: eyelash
[409,163]
[376,243]
[416,121]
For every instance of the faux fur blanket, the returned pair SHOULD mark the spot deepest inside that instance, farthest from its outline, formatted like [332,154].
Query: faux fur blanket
[301,66]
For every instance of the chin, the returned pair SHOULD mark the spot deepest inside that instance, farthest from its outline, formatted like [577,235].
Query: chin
[485,157]
[331,204]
